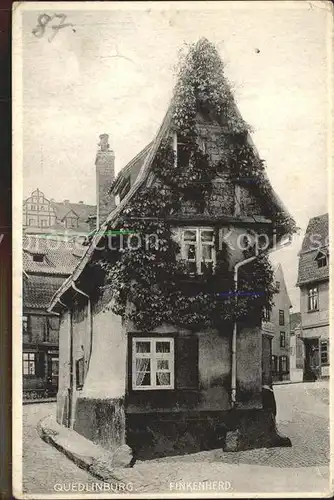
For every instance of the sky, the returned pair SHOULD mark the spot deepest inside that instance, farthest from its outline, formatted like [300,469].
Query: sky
[112,71]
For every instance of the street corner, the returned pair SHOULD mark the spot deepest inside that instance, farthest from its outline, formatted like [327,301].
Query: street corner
[47,429]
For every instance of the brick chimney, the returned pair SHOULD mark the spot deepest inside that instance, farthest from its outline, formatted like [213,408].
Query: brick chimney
[105,174]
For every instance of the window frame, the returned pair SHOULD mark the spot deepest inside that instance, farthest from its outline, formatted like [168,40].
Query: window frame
[324,351]
[27,361]
[273,362]
[322,257]
[281,317]
[282,339]
[285,358]
[153,356]
[313,299]
[199,247]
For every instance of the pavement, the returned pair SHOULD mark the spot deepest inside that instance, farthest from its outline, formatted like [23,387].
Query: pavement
[303,415]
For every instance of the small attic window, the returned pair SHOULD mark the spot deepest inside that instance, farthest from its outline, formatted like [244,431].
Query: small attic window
[38,257]
[322,260]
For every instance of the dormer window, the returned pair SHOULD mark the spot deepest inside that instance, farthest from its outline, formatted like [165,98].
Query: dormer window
[198,249]
[322,259]
[38,257]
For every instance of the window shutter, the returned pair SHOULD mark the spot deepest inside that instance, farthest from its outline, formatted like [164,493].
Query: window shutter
[186,362]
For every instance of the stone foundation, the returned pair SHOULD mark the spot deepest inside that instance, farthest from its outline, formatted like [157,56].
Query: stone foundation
[101,420]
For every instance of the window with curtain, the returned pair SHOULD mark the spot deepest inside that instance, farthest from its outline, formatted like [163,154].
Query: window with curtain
[29,363]
[198,249]
[313,299]
[152,363]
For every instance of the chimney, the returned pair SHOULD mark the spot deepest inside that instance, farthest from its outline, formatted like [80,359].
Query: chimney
[105,174]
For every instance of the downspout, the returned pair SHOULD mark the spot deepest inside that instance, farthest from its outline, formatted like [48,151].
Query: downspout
[70,389]
[234,335]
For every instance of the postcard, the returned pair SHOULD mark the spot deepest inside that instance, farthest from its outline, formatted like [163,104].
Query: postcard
[172,213]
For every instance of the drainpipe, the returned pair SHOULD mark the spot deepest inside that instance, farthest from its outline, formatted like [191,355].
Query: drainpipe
[234,335]
[70,389]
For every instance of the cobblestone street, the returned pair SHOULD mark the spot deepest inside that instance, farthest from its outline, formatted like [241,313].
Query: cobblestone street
[43,465]
[303,416]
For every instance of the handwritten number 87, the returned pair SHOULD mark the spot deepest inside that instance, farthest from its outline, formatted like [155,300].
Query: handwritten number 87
[42,22]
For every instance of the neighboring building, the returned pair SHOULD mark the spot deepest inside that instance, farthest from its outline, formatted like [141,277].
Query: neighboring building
[52,246]
[313,281]
[278,325]
[168,389]
[296,349]
[46,264]
[47,217]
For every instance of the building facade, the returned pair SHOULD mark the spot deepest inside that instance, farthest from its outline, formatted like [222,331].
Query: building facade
[296,349]
[55,235]
[46,263]
[131,371]
[46,216]
[277,325]
[313,282]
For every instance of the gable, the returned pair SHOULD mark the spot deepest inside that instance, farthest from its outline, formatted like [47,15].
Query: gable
[203,106]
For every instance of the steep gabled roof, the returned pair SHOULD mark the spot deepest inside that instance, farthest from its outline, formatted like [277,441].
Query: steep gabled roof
[38,290]
[81,210]
[61,257]
[315,239]
[141,178]
[131,170]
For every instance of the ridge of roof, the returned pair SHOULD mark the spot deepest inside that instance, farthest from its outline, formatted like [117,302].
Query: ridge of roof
[127,169]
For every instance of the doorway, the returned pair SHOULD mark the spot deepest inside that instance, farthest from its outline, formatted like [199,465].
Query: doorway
[312,368]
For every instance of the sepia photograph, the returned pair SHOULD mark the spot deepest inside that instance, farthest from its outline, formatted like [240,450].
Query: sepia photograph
[171,249]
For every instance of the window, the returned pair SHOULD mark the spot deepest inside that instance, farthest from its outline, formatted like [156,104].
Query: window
[38,258]
[284,365]
[278,285]
[32,222]
[313,299]
[25,325]
[32,207]
[80,373]
[322,260]
[198,249]
[29,363]
[274,363]
[282,339]
[44,223]
[266,314]
[202,144]
[324,352]
[281,317]
[152,363]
